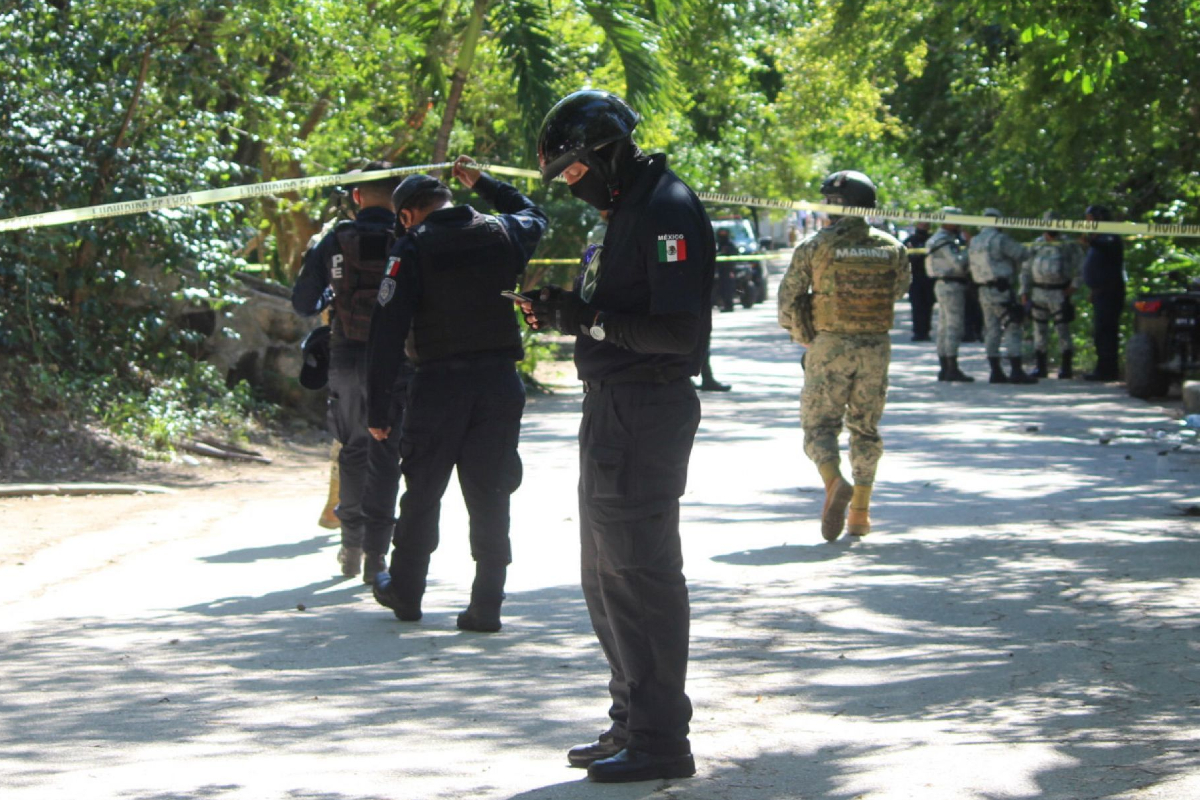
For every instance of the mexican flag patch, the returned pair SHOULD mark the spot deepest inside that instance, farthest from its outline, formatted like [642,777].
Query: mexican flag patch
[671,247]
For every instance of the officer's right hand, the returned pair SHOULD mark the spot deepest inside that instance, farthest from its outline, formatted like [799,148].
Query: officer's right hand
[379,434]
[466,175]
[564,311]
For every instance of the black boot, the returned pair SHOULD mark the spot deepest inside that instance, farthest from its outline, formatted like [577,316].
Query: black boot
[953,373]
[944,361]
[1065,370]
[997,375]
[487,593]
[1042,369]
[402,587]
[1018,375]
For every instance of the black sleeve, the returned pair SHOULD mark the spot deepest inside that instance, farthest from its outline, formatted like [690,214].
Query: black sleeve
[312,292]
[678,251]
[524,221]
[399,295]
[677,333]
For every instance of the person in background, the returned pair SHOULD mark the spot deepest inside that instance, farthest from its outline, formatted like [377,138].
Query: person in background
[1104,275]
[920,291]
[344,271]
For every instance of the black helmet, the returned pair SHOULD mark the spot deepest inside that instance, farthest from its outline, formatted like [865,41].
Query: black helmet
[580,123]
[849,188]
[1101,213]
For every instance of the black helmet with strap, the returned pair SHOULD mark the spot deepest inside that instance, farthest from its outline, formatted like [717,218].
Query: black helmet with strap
[578,125]
[849,188]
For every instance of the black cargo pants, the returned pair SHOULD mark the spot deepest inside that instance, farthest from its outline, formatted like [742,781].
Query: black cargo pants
[461,413]
[635,441]
[369,470]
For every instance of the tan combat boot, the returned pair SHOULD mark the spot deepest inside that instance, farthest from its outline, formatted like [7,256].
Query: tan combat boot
[837,497]
[858,521]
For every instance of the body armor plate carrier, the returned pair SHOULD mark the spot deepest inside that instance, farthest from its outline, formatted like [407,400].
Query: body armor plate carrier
[464,267]
[356,273]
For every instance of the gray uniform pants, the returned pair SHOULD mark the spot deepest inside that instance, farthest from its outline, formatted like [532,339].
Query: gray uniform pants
[1047,310]
[995,303]
[952,316]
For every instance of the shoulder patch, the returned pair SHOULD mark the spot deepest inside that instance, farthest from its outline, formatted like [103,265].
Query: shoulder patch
[393,266]
[672,247]
[387,290]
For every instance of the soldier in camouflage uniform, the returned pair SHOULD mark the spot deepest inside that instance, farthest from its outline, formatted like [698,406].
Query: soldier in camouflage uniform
[837,299]
[1048,280]
[946,263]
[996,259]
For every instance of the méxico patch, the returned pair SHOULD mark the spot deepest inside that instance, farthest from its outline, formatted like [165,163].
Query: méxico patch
[672,247]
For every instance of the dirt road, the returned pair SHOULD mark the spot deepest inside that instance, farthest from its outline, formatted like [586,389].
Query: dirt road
[1022,624]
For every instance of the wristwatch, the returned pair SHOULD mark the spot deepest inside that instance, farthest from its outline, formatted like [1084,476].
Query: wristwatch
[596,331]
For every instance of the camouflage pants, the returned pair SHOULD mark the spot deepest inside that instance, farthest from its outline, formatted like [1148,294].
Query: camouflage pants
[952,316]
[845,378]
[1047,309]
[994,304]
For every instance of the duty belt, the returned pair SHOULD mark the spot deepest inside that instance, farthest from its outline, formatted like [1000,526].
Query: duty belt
[1052,286]
[950,279]
[639,375]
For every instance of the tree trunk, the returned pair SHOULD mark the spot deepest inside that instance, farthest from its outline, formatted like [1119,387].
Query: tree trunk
[462,68]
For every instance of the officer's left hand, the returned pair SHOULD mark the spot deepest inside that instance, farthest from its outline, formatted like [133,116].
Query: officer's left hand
[466,175]
[380,433]
[564,311]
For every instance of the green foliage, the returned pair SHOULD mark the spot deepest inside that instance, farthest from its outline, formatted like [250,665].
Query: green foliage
[1009,103]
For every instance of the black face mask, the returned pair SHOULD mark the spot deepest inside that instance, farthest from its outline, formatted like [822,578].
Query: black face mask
[592,190]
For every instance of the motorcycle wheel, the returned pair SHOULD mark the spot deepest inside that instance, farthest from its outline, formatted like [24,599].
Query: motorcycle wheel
[1143,378]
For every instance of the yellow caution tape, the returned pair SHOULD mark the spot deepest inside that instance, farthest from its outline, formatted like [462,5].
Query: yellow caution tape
[251,191]
[207,197]
[757,257]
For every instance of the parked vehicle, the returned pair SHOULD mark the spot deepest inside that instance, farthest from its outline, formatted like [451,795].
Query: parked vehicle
[750,276]
[1165,345]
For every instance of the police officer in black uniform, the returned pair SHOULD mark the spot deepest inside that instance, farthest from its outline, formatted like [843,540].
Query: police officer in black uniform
[641,314]
[441,293]
[920,291]
[345,268]
[1104,275]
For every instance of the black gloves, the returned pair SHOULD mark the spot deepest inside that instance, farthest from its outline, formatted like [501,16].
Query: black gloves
[564,311]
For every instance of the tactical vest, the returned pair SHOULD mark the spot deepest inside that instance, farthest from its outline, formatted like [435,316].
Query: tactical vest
[355,272]
[944,259]
[988,264]
[463,270]
[854,286]
[1049,265]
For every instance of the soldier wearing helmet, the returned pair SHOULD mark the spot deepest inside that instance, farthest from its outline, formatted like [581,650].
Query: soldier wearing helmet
[1048,280]
[996,259]
[640,312]
[837,299]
